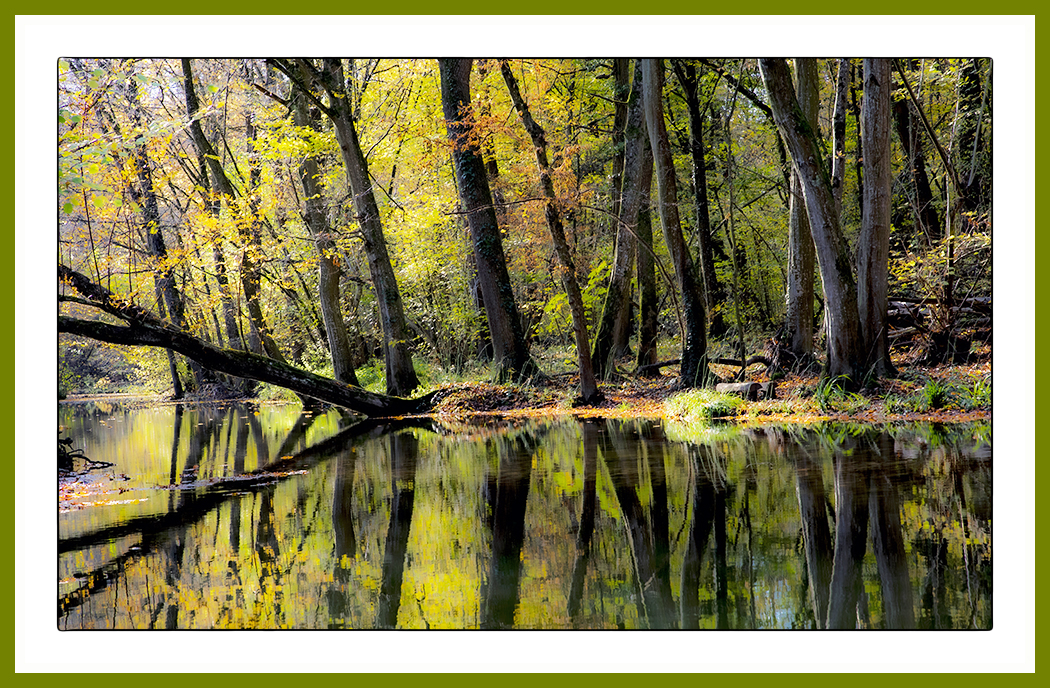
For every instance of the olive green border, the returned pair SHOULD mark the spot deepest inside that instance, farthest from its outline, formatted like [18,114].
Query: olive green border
[269,643]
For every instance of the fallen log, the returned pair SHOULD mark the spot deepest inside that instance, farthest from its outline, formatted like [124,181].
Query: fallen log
[653,369]
[751,391]
[144,329]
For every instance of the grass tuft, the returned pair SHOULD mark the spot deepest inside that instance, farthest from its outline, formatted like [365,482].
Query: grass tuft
[700,404]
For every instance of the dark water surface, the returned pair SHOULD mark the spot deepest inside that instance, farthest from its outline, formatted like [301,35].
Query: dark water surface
[254,517]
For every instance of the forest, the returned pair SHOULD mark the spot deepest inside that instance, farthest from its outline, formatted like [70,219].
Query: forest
[390,235]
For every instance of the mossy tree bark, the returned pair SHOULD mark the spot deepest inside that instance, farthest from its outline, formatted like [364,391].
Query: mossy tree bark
[840,290]
[510,353]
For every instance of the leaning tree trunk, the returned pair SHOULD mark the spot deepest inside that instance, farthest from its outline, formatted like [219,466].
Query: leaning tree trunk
[637,178]
[694,371]
[249,274]
[145,195]
[505,327]
[873,254]
[400,374]
[143,329]
[328,271]
[588,385]
[840,291]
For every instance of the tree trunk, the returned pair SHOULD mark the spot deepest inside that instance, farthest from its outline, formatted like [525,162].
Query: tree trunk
[588,385]
[798,319]
[694,371]
[926,215]
[638,171]
[838,160]
[143,329]
[714,294]
[328,270]
[505,328]
[400,375]
[873,250]
[840,291]
[647,301]
[621,95]
[261,338]
[249,274]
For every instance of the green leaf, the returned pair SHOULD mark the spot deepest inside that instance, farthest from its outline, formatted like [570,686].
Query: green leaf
[67,208]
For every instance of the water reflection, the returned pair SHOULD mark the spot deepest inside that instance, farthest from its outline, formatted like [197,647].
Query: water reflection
[256,517]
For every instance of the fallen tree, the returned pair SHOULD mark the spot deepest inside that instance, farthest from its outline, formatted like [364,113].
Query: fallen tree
[144,329]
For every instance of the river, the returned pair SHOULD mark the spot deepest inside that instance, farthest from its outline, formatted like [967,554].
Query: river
[245,516]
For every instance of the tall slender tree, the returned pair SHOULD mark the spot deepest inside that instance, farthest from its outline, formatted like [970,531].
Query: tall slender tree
[714,293]
[328,271]
[589,392]
[249,268]
[694,370]
[798,318]
[873,247]
[397,357]
[637,178]
[510,353]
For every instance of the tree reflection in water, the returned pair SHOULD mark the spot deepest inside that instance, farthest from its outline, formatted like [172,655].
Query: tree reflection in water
[522,524]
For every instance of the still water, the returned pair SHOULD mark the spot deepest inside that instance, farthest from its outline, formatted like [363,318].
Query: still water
[255,517]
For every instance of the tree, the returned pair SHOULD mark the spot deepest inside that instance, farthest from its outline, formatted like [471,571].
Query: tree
[840,290]
[873,248]
[588,386]
[248,229]
[400,374]
[637,178]
[328,272]
[510,354]
[694,330]
[798,320]
[714,294]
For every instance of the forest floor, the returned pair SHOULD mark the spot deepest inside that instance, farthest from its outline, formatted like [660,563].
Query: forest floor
[945,393]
